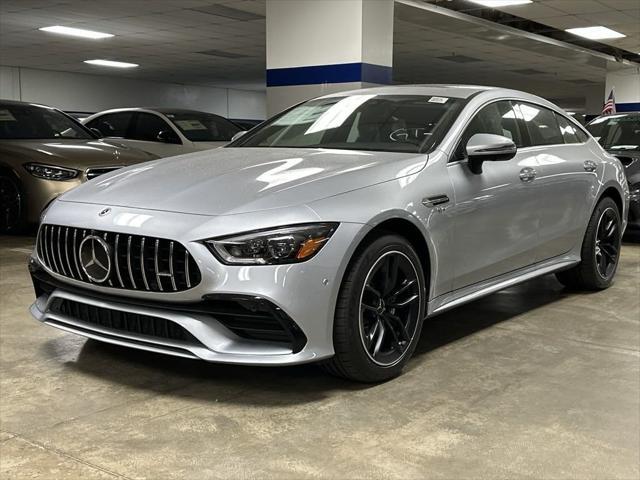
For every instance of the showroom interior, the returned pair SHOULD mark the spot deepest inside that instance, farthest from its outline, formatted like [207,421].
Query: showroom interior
[527,377]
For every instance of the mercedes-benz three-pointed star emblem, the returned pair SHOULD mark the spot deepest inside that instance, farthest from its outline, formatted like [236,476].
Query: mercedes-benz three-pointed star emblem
[95,258]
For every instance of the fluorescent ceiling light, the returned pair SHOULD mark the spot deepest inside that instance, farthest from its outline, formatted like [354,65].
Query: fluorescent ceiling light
[75,32]
[111,63]
[500,3]
[595,33]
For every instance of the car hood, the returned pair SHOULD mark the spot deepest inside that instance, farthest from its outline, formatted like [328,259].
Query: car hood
[239,180]
[78,154]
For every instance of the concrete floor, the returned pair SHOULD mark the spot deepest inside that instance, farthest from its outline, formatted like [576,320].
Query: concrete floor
[532,382]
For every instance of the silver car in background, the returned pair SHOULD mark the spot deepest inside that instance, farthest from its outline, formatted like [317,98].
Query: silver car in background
[164,132]
[330,232]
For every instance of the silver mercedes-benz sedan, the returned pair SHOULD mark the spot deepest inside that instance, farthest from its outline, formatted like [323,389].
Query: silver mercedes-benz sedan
[330,232]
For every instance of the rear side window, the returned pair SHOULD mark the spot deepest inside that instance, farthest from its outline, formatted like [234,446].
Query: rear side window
[112,124]
[148,127]
[541,124]
[569,131]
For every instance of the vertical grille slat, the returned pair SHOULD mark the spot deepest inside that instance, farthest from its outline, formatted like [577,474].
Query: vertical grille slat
[133,282]
[66,252]
[54,264]
[142,266]
[155,264]
[173,278]
[58,247]
[186,269]
[74,252]
[116,255]
[59,252]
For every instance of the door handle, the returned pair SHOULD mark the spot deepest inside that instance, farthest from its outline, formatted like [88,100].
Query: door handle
[528,174]
[590,166]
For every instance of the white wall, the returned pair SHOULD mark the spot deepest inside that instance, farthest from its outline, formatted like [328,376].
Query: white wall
[92,93]
[627,84]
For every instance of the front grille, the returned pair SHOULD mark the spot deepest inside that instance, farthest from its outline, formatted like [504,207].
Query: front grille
[137,262]
[97,171]
[122,321]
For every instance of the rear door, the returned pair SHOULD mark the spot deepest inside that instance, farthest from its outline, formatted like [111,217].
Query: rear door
[495,216]
[565,174]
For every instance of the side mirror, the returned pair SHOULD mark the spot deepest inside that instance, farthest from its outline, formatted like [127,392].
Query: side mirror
[96,132]
[167,136]
[487,147]
[238,135]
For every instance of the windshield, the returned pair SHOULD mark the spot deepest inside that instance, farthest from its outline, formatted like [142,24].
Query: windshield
[394,123]
[617,132]
[203,127]
[18,122]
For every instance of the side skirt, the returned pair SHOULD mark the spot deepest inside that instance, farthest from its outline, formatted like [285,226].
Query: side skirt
[477,290]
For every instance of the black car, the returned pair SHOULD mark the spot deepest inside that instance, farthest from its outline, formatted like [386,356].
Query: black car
[619,134]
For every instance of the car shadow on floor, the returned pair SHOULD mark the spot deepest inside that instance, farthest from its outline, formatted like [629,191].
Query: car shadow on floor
[181,377]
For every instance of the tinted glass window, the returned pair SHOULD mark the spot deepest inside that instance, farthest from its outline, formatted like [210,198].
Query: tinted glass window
[541,125]
[498,118]
[112,124]
[396,123]
[568,130]
[31,122]
[203,127]
[148,127]
[617,132]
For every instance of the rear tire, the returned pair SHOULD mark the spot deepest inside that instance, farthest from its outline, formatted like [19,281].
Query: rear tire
[379,312]
[11,205]
[600,250]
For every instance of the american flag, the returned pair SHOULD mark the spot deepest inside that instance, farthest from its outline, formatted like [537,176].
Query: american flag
[610,105]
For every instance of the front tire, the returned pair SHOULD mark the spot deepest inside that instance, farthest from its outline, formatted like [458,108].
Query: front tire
[379,312]
[600,250]
[11,206]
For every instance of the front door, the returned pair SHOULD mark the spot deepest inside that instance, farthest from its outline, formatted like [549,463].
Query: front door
[495,212]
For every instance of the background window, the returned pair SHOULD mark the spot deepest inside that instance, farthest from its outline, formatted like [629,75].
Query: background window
[148,127]
[112,124]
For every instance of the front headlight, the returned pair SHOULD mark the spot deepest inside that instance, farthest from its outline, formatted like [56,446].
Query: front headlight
[291,244]
[50,172]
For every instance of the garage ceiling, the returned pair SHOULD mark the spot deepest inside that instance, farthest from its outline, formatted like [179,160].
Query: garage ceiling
[190,41]
[435,47]
[222,42]
[620,15]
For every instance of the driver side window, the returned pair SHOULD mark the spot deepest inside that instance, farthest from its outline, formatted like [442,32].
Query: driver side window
[498,118]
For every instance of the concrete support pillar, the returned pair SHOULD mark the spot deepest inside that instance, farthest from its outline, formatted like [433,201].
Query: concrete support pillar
[315,47]
[626,82]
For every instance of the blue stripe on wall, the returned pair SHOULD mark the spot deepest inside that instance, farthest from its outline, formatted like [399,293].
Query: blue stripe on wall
[627,107]
[338,73]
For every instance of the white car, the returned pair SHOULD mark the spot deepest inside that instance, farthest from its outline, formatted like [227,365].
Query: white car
[162,131]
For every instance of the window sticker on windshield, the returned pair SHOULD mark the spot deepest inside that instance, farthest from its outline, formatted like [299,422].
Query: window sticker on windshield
[438,100]
[190,125]
[5,116]
[301,115]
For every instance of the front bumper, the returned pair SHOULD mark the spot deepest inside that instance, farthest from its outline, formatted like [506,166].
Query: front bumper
[300,297]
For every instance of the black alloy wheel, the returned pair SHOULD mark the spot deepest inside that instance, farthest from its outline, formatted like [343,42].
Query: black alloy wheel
[607,243]
[600,251]
[379,311]
[10,205]
[389,308]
